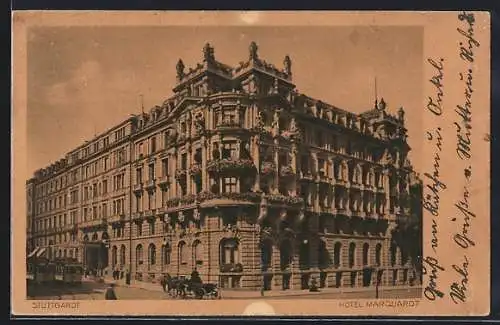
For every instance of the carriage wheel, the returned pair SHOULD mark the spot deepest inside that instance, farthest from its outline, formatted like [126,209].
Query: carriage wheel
[200,293]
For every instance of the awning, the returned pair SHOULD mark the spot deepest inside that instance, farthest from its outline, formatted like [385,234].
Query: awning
[41,252]
[33,253]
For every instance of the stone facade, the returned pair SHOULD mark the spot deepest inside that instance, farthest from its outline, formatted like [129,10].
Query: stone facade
[241,177]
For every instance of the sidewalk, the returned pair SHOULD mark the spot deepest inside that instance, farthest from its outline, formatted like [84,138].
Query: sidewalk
[235,293]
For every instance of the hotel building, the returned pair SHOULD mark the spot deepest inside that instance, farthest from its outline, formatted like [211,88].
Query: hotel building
[241,177]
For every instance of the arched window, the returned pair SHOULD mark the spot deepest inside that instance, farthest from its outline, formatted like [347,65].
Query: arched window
[114,256]
[366,248]
[122,255]
[336,254]
[229,251]
[182,253]
[378,253]
[166,254]
[352,252]
[197,253]
[138,255]
[95,237]
[323,256]
[393,254]
[152,254]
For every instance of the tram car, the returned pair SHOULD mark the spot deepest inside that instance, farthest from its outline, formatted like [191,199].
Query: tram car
[40,271]
[68,272]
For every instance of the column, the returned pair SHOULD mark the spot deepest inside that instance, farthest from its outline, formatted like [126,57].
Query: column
[276,178]
[387,191]
[204,173]
[256,155]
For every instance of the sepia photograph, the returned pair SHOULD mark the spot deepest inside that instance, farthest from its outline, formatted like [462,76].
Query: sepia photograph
[190,162]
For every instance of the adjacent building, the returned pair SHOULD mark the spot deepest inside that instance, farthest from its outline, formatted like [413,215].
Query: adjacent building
[239,176]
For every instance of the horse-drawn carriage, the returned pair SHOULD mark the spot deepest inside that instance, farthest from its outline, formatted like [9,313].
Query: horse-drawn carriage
[184,288]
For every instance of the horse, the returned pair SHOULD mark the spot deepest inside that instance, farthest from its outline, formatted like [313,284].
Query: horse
[175,286]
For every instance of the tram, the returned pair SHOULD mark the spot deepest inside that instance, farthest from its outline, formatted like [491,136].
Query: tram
[40,271]
[68,271]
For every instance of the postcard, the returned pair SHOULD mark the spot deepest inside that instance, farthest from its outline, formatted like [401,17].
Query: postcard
[251,163]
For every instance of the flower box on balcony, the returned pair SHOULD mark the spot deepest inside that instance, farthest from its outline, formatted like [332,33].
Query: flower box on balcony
[267,168]
[173,202]
[187,199]
[286,171]
[195,169]
[288,200]
[231,267]
[180,175]
[227,165]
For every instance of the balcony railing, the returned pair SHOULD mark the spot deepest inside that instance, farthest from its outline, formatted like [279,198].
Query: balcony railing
[164,181]
[117,218]
[150,184]
[283,199]
[138,187]
[229,124]
[286,171]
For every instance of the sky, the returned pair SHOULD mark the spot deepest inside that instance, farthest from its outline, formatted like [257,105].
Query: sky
[84,80]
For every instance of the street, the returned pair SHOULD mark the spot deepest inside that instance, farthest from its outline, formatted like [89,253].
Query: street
[90,290]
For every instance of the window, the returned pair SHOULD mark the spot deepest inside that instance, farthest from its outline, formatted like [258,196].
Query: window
[106,163]
[138,255]
[229,150]
[229,185]
[94,190]
[152,143]
[352,252]
[140,152]
[184,161]
[114,256]
[105,186]
[139,229]
[122,255]
[182,253]
[319,139]
[197,253]
[152,254]
[138,175]
[105,142]
[164,167]
[336,254]
[378,251]
[152,228]
[229,251]
[151,172]
[229,117]
[104,210]
[366,249]
[166,254]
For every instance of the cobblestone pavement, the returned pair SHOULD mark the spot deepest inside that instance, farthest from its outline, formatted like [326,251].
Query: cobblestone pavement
[95,291]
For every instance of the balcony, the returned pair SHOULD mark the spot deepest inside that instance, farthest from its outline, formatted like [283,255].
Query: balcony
[267,168]
[228,124]
[150,184]
[94,223]
[207,198]
[138,188]
[137,216]
[229,165]
[148,214]
[117,218]
[180,175]
[284,199]
[164,181]
[195,170]
[287,171]
[306,175]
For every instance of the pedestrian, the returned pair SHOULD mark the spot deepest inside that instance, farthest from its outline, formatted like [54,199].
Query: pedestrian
[163,283]
[110,292]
